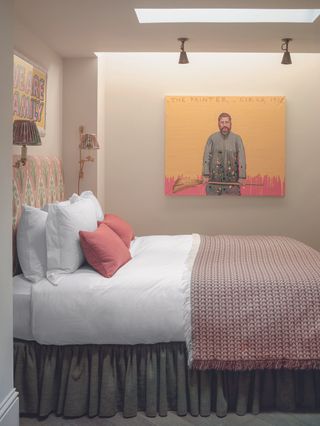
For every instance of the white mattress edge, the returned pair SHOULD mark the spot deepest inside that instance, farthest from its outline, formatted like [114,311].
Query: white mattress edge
[186,288]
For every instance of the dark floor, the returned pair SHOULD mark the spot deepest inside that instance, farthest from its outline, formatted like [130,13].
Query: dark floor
[267,419]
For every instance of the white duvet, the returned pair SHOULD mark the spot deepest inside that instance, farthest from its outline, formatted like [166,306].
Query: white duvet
[142,303]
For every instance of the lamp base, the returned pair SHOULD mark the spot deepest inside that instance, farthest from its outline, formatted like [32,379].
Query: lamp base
[23,158]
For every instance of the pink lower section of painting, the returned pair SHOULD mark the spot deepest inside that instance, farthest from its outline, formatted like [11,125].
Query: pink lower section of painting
[254,186]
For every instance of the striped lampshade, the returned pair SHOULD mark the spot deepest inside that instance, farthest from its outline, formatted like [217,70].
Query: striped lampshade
[25,132]
[88,141]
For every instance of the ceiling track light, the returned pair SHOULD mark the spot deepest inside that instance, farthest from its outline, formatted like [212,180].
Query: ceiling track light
[183,59]
[286,58]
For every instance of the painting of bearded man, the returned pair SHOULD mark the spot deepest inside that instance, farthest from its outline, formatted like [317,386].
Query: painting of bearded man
[224,160]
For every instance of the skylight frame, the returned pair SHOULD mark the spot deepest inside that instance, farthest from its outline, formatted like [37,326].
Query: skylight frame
[231,15]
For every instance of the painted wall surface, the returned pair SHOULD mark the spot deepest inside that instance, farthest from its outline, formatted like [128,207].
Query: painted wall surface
[79,108]
[6,346]
[101,124]
[135,87]
[31,46]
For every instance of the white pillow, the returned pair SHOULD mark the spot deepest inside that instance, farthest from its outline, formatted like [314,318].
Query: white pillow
[62,203]
[89,195]
[31,243]
[64,254]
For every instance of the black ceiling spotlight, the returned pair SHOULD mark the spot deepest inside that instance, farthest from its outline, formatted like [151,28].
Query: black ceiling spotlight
[286,58]
[183,59]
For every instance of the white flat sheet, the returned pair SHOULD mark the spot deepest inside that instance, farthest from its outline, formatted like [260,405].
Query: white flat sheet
[142,303]
[22,308]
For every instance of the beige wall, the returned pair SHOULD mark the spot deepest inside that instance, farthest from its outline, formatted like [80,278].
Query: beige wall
[31,46]
[79,108]
[133,116]
[101,123]
[8,397]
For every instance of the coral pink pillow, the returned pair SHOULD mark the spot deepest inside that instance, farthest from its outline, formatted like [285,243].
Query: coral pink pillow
[104,250]
[120,227]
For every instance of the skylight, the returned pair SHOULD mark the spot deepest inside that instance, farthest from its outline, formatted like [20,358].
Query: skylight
[146,16]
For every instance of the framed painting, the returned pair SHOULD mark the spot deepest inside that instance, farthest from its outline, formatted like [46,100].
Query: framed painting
[29,92]
[225,145]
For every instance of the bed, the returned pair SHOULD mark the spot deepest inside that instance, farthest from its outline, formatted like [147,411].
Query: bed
[96,346]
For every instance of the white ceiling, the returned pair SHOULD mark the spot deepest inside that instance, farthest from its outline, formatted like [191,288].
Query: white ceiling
[77,28]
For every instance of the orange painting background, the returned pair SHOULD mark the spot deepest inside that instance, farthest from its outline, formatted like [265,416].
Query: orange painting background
[259,120]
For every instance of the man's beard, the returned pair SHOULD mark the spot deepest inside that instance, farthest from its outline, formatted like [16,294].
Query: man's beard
[225,131]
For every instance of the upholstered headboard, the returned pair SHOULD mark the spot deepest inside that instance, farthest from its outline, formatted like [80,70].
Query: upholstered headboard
[39,182]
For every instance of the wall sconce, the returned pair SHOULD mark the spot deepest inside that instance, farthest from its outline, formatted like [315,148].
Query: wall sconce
[88,141]
[183,59]
[25,132]
[286,58]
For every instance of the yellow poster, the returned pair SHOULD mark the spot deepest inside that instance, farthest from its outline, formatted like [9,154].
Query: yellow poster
[29,92]
[225,145]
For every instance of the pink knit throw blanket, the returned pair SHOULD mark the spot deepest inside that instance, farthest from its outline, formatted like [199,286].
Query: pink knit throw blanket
[255,303]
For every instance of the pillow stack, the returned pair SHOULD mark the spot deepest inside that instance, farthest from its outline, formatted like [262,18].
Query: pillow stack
[104,250]
[64,254]
[55,240]
[88,195]
[31,243]
[120,227]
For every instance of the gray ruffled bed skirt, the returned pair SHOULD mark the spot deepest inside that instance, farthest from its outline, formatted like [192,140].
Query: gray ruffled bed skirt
[101,380]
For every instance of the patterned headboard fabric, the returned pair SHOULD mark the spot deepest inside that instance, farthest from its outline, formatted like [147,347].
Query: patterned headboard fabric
[37,183]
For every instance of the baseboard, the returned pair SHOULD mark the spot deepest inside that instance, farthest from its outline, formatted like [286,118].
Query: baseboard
[9,410]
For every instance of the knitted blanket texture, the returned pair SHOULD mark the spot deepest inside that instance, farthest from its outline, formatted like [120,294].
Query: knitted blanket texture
[255,303]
